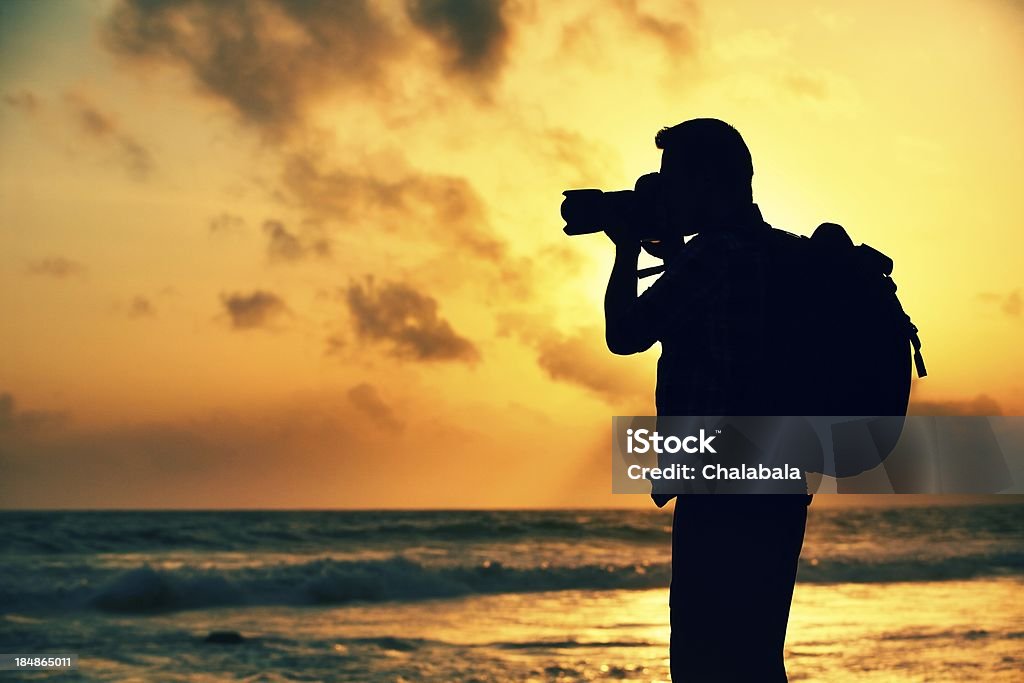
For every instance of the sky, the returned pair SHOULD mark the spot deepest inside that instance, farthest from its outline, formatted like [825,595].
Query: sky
[295,254]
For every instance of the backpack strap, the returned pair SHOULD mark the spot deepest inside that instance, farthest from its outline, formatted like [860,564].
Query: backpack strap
[648,272]
[915,339]
[835,237]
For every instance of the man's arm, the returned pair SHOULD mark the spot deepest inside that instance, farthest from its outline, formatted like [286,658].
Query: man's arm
[627,329]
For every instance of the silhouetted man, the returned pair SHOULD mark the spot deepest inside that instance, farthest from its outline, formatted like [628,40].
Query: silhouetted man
[734,557]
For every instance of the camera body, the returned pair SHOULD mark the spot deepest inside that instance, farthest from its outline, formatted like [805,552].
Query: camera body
[641,209]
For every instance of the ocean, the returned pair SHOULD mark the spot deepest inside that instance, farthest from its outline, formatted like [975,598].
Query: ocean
[884,594]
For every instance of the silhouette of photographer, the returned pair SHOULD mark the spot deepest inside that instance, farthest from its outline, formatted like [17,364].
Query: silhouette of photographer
[752,321]
[734,557]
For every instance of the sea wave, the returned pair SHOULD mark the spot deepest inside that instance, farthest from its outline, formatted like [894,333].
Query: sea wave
[329,581]
[247,531]
[69,533]
[334,582]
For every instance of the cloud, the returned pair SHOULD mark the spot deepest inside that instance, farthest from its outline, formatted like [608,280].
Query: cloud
[57,267]
[368,401]
[24,100]
[582,359]
[1011,304]
[141,307]
[91,119]
[272,61]
[806,85]
[525,277]
[223,458]
[335,344]
[21,422]
[253,310]
[395,312]
[309,450]
[226,223]
[584,161]
[103,127]
[473,32]
[672,27]
[286,246]
[579,358]
[981,404]
[446,205]
[268,60]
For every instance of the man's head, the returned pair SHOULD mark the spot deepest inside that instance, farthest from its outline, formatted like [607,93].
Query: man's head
[707,171]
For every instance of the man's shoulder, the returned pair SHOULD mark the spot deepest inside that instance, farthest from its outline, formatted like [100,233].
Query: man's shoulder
[783,237]
[782,245]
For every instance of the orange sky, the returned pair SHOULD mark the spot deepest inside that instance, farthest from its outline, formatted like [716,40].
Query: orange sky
[274,255]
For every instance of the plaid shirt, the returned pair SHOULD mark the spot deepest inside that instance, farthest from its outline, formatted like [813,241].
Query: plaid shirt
[710,315]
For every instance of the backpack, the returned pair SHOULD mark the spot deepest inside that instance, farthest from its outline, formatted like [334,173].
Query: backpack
[845,343]
[837,349]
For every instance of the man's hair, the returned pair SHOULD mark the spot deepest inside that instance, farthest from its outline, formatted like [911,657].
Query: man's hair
[714,148]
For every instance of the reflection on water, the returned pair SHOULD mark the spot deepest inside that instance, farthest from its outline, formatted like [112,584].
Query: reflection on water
[954,630]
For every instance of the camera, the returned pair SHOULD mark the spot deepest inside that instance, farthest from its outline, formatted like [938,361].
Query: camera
[640,209]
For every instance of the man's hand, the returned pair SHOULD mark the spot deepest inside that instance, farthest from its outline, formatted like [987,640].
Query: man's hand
[626,332]
[624,238]
[625,241]
[664,249]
